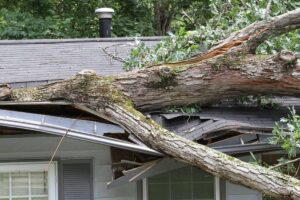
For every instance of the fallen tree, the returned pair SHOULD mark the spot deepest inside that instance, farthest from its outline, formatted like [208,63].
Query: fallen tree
[226,71]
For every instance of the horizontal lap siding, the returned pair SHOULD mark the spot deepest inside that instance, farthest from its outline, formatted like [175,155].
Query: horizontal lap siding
[20,149]
[236,192]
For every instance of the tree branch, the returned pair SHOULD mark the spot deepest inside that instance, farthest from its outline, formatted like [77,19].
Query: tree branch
[5,92]
[236,171]
[268,8]
[101,95]
[210,81]
[285,163]
[249,38]
[207,82]
[111,55]
[258,32]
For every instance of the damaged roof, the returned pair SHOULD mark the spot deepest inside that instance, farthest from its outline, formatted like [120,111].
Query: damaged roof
[227,128]
[234,130]
[231,130]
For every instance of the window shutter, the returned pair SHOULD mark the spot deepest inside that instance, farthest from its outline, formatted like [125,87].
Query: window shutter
[76,180]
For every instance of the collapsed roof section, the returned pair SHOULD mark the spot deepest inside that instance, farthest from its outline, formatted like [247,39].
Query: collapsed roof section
[230,130]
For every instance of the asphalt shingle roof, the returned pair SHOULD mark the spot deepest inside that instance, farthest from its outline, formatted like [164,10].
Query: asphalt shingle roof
[25,63]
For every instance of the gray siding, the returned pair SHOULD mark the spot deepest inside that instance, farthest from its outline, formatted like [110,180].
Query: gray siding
[41,148]
[236,192]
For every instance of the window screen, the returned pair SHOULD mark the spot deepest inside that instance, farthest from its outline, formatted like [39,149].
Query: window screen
[24,186]
[186,183]
[76,180]
[28,181]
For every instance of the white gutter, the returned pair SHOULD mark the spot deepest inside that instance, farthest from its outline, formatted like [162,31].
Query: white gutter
[83,130]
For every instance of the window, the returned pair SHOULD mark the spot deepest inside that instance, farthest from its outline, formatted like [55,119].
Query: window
[186,183]
[27,181]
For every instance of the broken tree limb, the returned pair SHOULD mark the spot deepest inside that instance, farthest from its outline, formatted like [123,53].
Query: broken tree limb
[249,38]
[255,34]
[210,81]
[259,178]
[5,92]
[204,83]
[222,73]
[285,163]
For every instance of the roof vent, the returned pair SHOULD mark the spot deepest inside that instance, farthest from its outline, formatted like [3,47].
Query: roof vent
[105,16]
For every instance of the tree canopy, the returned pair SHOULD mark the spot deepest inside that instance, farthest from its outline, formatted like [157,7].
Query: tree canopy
[75,19]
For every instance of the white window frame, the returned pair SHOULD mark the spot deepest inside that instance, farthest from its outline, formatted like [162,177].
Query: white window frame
[34,167]
[217,191]
[217,188]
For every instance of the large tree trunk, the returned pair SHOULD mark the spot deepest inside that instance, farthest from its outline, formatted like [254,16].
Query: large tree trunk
[226,71]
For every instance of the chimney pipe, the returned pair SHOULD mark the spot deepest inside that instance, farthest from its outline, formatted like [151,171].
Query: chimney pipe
[105,15]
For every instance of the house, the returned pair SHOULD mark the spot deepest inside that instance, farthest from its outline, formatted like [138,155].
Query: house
[58,150]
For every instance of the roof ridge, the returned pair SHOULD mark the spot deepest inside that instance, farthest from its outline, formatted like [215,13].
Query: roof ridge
[77,40]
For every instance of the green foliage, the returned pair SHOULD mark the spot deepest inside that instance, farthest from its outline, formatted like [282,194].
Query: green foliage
[225,18]
[75,18]
[47,19]
[17,25]
[70,19]
[189,109]
[173,48]
[288,137]
[131,18]
[212,19]
[287,168]
[260,101]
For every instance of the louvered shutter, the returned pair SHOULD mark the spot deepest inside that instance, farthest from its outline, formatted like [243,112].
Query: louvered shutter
[76,180]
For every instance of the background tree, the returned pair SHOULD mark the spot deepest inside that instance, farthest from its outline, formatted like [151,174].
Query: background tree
[74,19]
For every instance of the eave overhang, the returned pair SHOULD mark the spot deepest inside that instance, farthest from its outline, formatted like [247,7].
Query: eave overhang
[75,128]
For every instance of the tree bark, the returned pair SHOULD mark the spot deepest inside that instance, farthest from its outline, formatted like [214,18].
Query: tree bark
[163,14]
[226,71]
[210,81]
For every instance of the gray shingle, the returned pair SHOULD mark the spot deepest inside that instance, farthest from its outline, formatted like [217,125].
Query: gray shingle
[32,62]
